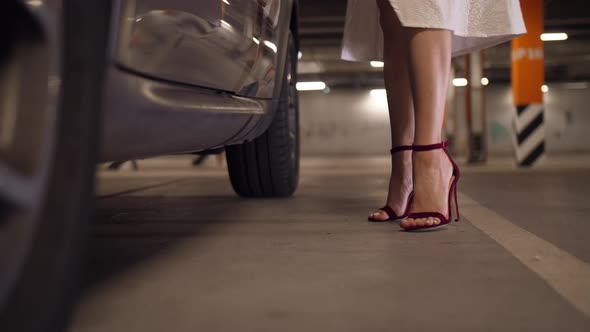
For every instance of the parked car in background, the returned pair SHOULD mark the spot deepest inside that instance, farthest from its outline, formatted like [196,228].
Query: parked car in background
[83,82]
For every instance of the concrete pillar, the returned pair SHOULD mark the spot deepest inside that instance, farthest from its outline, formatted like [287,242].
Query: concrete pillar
[475,90]
[528,75]
[450,124]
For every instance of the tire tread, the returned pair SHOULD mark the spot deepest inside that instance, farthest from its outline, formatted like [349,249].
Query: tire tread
[262,167]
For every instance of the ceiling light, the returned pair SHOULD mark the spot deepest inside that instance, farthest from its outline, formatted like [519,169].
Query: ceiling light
[485,81]
[460,82]
[554,36]
[226,2]
[310,86]
[377,64]
[544,88]
[299,55]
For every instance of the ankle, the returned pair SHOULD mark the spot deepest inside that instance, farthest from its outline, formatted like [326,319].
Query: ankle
[402,162]
[403,140]
[402,155]
[428,140]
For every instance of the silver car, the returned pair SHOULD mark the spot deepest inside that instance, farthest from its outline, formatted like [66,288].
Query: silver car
[83,82]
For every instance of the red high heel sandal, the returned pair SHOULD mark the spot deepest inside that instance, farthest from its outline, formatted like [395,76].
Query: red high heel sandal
[387,209]
[452,192]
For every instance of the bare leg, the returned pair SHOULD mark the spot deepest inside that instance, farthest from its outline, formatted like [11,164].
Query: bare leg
[429,62]
[401,112]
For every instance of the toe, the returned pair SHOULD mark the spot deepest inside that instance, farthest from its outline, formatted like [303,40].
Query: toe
[420,222]
[436,221]
[378,215]
[407,223]
[429,222]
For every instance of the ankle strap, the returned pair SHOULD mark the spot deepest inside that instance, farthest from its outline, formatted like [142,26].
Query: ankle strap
[401,148]
[442,145]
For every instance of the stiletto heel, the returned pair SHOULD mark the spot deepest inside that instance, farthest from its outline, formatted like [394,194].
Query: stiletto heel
[457,205]
[451,194]
[392,216]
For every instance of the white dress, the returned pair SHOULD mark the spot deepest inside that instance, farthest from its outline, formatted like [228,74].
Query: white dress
[476,24]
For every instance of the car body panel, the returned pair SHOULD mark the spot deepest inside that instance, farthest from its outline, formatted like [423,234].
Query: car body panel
[148,113]
[212,91]
[228,45]
[162,118]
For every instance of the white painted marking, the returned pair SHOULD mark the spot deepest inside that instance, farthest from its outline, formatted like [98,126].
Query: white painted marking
[529,144]
[529,114]
[566,274]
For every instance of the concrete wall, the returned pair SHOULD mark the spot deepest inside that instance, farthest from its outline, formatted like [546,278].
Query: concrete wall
[343,122]
[355,121]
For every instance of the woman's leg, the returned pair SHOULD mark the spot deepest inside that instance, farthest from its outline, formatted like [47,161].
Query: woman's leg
[429,66]
[401,112]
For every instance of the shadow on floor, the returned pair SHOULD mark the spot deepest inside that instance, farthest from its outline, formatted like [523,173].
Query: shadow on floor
[131,229]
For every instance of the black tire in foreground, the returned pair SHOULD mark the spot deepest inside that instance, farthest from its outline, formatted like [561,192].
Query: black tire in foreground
[47,170]
[269,165]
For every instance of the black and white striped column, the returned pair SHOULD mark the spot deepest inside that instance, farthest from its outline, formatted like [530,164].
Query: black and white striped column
[529,138]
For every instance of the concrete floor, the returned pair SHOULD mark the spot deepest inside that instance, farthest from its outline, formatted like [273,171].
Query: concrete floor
[173,249]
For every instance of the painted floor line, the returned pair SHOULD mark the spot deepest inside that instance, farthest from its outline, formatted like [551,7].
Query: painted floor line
[566,274]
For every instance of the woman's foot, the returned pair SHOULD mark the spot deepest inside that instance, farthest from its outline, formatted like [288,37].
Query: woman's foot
[432,175]
[400,186]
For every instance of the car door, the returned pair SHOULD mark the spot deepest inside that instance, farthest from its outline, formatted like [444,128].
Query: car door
[220,44]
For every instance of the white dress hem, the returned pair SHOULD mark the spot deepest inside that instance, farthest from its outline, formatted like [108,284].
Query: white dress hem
[363,38]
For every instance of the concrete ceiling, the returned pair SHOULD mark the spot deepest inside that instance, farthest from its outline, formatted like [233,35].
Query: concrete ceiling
[322,24]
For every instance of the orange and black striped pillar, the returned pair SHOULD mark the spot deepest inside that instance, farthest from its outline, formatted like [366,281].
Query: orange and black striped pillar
[528,75]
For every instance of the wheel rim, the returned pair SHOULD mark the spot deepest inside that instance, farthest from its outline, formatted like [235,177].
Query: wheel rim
[26,121]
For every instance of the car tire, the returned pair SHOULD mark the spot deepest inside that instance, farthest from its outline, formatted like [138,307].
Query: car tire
[268,166]
[43,232]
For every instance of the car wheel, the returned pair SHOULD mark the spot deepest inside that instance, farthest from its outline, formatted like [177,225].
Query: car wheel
[268,166]
[50,79]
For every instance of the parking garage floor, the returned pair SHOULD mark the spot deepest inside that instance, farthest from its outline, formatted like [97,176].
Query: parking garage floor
[173,249]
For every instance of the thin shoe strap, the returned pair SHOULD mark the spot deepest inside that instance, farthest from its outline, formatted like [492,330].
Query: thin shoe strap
[401,148]
[442,145]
